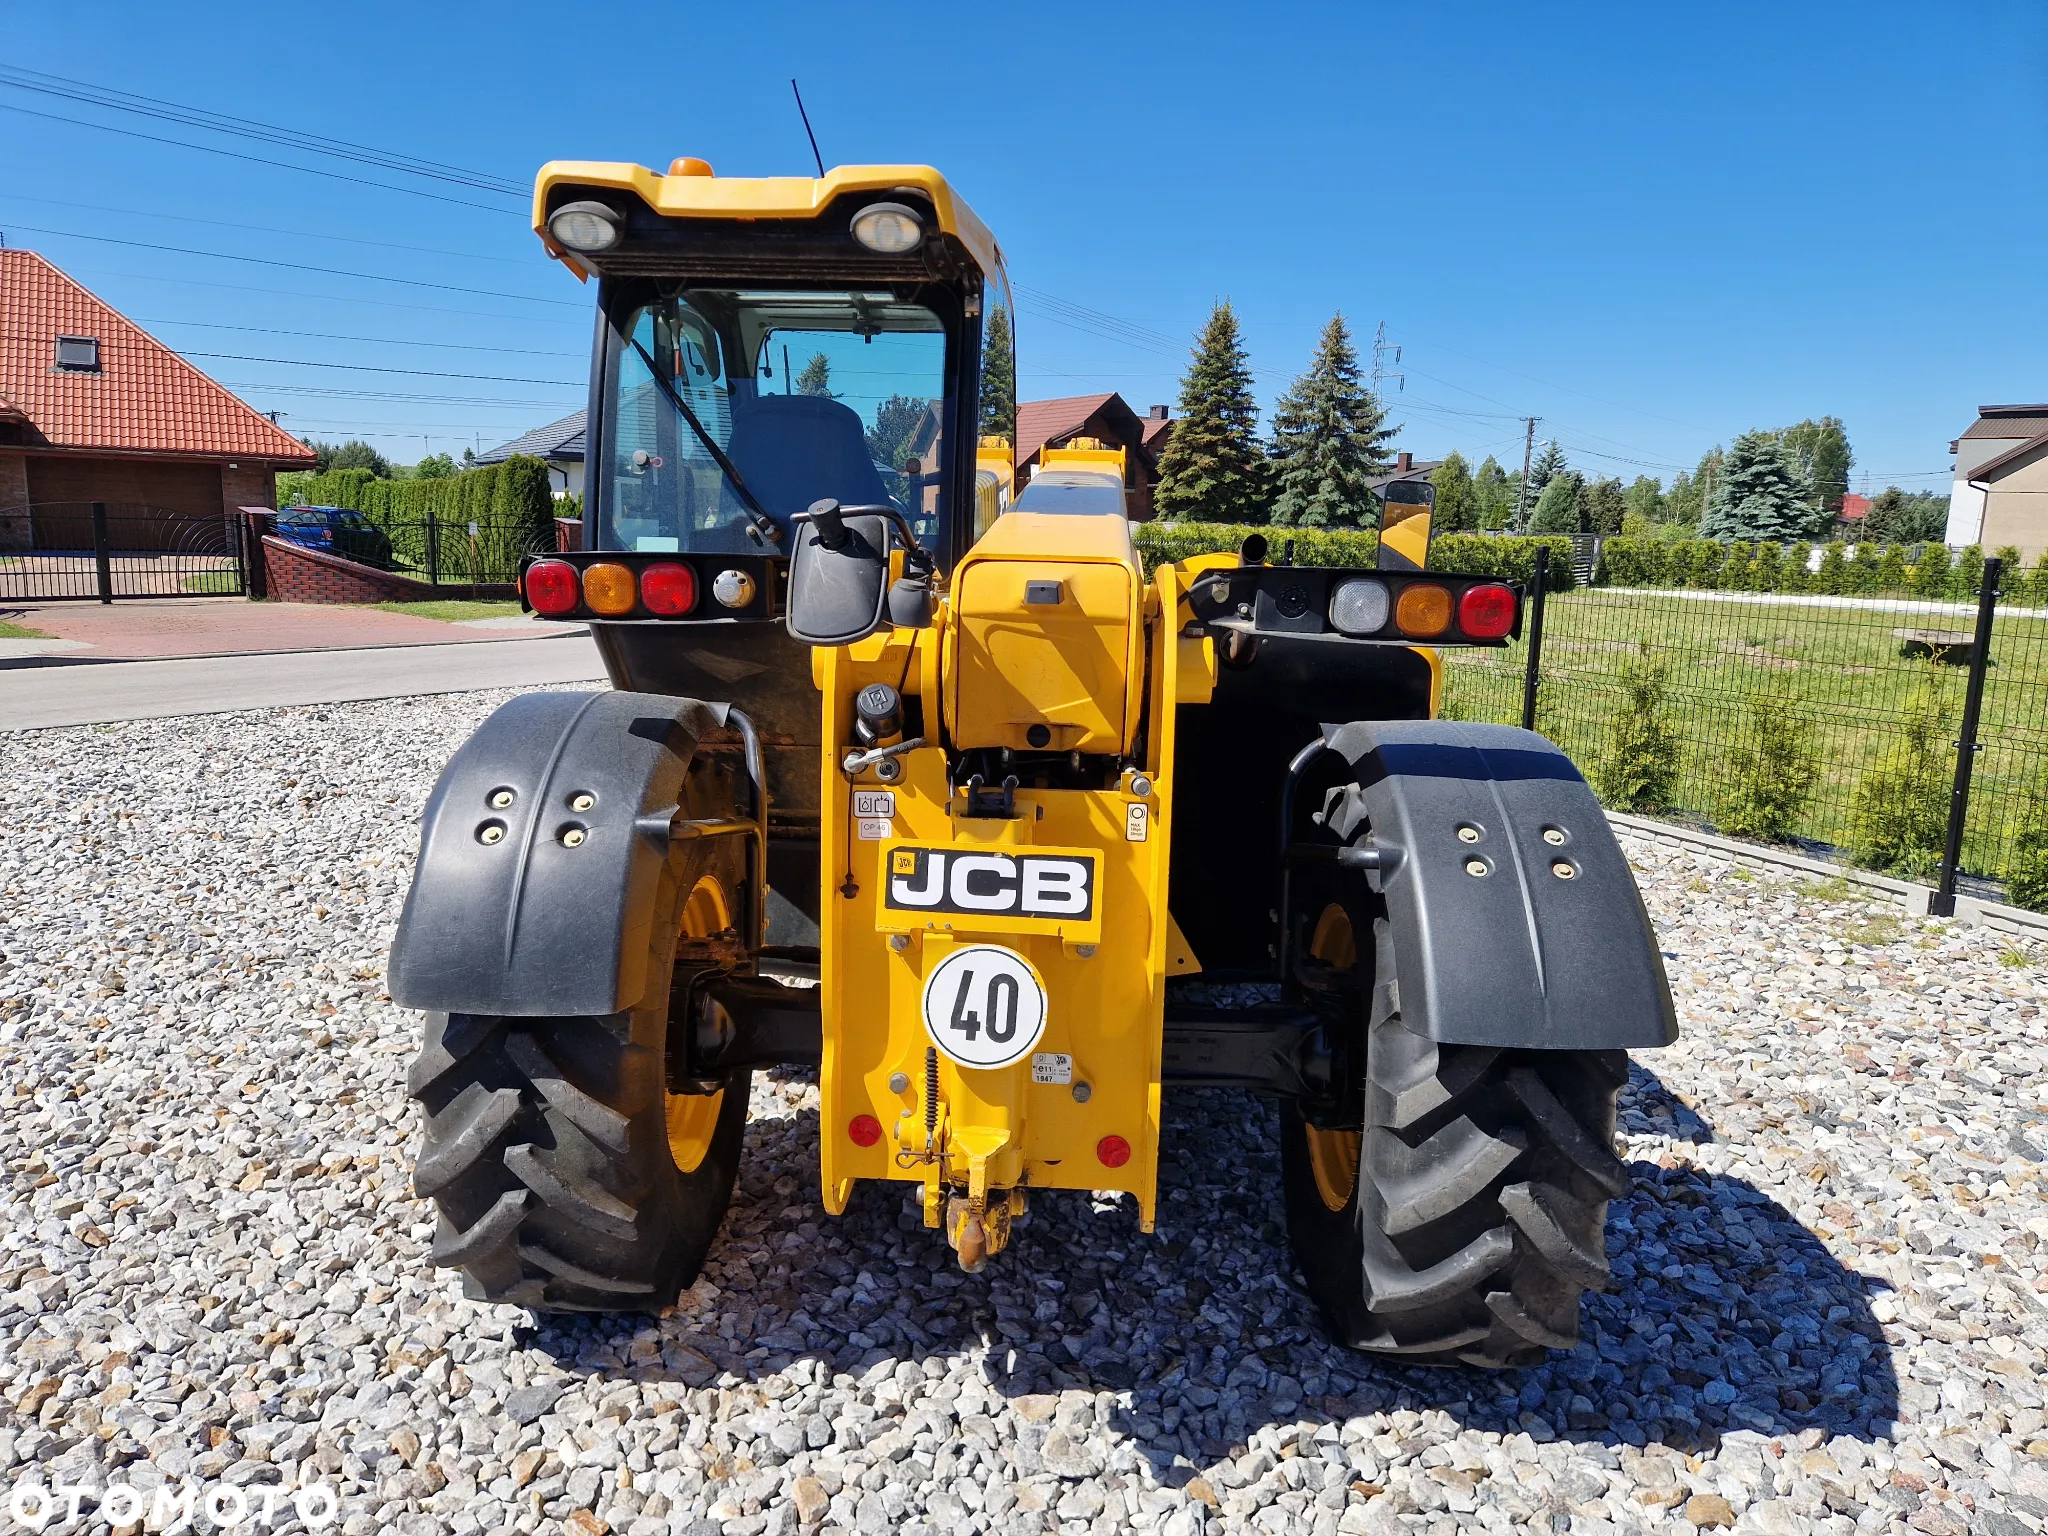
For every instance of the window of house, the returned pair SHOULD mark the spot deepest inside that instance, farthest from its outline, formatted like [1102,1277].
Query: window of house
[78,354]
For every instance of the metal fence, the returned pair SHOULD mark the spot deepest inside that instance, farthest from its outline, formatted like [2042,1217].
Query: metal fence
[58,551]
[452,552]
[1830,723]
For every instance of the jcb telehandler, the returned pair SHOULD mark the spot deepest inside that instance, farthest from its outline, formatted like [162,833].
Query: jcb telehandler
[913,773]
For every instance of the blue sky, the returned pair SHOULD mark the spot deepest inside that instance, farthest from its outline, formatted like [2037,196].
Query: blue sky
[1652,226]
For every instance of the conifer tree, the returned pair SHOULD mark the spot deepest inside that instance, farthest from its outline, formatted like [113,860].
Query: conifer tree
[999,378]
[1212,470]
[1329,433]
[1557,509]
[1758,494]
[1549,463]
[1457,504]
[816,378]
[1495,494]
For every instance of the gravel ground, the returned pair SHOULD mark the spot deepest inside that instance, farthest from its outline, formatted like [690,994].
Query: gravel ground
[1830,1310]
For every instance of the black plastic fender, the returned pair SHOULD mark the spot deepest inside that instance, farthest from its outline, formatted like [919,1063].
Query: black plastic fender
[1530,933]
[510,911]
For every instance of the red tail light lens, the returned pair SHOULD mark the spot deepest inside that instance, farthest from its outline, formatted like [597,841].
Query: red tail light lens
[1486,613]
[1112,1151]
[552,587]
[668,589]
[863,1130]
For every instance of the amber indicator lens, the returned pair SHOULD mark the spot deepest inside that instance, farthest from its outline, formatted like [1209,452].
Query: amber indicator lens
[551,587]
[608,589]
[1423,610]
[668,589]
[1486,613]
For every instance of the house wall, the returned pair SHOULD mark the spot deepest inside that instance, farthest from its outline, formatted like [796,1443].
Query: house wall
[14,529]
[1965,513]
[247,484]
[2016,510]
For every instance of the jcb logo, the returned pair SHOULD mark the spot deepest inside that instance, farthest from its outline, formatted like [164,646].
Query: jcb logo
[996,884]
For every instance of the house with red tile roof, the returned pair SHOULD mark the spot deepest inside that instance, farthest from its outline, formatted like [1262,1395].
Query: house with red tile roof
[94,408]
[1043,424]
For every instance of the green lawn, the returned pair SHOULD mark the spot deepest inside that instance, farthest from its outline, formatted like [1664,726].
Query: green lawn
[1840,668]
[453,610]
[19,632]
[212,582]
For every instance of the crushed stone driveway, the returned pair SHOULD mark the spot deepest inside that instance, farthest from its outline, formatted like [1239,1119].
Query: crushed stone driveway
[1828,1315]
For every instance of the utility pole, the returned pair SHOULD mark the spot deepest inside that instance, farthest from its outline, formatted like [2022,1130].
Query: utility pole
[1522,490]
[1380,348]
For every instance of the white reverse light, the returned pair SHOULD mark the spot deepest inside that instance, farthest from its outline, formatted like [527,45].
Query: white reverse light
[1360,607]
[889,229]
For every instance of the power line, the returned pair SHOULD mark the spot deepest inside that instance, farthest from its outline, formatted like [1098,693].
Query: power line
[418,373]
[297,266]
[382,341]
[322,392]
[249,128]
[527,262]
[329,298]
[212,149]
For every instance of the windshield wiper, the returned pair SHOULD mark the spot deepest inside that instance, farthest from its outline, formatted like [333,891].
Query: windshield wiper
[764,526]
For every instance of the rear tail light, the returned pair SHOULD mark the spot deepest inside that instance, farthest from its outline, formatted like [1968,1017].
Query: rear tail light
[1486,613]
[668,590]
[1423,610]
[608,589]
[551,588]
[863,1130]
[1360,607]
[1112,1151]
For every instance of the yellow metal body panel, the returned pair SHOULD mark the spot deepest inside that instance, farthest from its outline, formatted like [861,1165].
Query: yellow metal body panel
[704,196]
[1074,665]
[996,1130]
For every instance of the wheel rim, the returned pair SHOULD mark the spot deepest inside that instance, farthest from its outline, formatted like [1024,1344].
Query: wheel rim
[1333,1155]
[693,1117]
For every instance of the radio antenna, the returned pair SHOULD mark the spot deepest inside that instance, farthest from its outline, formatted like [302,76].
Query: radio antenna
[800,112]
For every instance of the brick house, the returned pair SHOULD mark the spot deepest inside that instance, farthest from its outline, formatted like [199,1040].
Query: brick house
[1043,424]
[94,408]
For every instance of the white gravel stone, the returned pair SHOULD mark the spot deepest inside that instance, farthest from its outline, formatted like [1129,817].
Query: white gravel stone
[1830,1311]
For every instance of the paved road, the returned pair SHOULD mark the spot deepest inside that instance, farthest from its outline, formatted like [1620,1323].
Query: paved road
[32,698]
[150,629]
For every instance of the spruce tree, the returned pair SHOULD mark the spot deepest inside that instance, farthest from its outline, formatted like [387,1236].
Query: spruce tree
[999,378]
[1758,494]
[1212,470]
[1457,503]
[1495,493]
[816,378]
[1557,509]
[1549,463]
[1329,433]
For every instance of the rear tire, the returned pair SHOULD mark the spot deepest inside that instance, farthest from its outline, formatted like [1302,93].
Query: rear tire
[1473,1218]
[565,1175]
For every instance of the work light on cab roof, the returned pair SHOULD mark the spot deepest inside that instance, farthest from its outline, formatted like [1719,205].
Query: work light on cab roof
[912,773]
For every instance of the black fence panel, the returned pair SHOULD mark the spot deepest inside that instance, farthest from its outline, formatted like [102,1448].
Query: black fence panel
[445,552]
[1826,722]
[55,551]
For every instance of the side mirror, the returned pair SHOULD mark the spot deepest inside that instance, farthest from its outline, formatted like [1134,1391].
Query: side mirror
[838,575]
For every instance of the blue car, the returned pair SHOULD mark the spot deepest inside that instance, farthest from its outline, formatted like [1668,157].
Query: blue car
[336,531]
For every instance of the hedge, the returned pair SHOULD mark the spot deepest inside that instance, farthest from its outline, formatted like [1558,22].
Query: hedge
[1461,554]
[1891,570]
[512,504]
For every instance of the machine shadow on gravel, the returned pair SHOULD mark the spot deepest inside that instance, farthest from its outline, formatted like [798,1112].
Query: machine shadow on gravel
[1726,1313]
